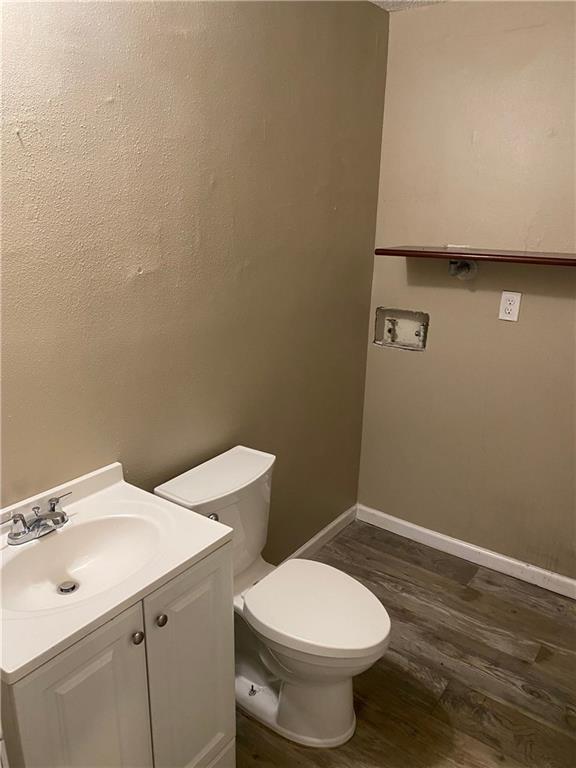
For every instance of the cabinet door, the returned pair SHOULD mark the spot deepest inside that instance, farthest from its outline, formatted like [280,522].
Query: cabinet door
[191,664]
[89,705]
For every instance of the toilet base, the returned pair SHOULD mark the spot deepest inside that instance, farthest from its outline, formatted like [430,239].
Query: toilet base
[296,712]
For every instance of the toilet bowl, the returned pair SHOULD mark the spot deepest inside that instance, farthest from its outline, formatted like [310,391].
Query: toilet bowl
[303,630]
[317,628]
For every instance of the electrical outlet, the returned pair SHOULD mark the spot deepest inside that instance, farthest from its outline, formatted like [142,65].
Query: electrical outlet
[510,306]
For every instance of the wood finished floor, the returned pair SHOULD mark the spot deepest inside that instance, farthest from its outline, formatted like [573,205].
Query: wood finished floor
[480,672]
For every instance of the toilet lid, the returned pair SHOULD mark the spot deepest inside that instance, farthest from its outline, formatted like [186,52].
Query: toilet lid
[214,479]
[318,609]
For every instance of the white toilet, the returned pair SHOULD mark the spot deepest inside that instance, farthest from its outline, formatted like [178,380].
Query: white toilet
[303,629]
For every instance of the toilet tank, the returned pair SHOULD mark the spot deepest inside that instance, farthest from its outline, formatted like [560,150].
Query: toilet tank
[235,487]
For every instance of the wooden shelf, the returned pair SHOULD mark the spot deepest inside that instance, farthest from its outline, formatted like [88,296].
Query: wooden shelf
[479,254]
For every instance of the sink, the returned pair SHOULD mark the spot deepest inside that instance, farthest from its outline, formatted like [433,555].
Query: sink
[119,545]
[83,559]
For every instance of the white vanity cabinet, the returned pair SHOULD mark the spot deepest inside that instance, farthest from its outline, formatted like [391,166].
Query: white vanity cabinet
[190,648]
[89,705]
[153,687]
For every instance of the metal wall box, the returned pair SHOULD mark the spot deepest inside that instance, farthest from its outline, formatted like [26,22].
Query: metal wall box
[401,328]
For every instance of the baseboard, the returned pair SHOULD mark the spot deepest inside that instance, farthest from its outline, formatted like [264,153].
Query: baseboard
[554,582]
[327,533]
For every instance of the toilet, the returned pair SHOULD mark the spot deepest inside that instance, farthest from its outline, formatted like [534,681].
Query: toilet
[303,630]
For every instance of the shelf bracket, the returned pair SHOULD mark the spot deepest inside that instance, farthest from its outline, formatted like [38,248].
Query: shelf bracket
[463,269]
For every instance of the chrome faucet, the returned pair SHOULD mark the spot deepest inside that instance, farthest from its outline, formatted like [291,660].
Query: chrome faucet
[41,524]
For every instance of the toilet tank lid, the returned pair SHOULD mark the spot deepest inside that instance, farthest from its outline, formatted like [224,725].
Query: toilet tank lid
[224,474]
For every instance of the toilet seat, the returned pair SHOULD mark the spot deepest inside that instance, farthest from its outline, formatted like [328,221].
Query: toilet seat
[309,606]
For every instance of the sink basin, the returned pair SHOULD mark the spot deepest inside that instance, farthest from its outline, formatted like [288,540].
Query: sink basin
[120,545]
[84,558]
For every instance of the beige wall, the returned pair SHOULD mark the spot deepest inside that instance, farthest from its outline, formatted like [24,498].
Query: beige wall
[189,210]
[476,437]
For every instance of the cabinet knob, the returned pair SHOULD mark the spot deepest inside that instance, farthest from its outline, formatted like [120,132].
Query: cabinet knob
[162,620]
[137,638]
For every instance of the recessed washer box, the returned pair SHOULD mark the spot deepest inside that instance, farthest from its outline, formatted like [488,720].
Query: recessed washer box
[401,328]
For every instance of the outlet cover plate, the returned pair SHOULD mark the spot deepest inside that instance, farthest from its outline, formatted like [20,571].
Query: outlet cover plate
[510,306]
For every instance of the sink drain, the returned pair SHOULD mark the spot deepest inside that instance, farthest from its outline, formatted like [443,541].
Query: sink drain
[67,587]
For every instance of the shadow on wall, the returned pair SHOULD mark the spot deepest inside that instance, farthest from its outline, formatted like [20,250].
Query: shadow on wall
[559,282]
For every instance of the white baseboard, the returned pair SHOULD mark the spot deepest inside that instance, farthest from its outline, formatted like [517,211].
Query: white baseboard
[555,582]
[326,533]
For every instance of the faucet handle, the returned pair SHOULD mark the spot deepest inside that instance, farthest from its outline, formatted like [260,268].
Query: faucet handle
[19,525]
[55,500]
